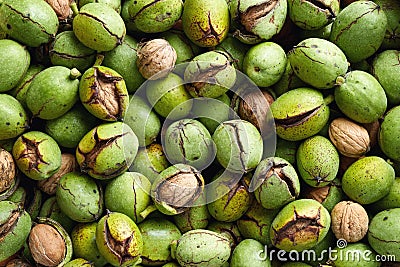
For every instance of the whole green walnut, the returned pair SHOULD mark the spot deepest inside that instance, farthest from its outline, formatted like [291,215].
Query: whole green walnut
[388,138]
[15,60]
[13,117]
[206,22]
[249,252]
[368,180]
[392,34]
[286,150]
[229,229]
[391,200]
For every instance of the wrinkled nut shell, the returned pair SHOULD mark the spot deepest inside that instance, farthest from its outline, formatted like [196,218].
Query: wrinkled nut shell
[68,164]
[61,7]
[349,221]
[46,244]
[351,139]
[155,57]
[7,170]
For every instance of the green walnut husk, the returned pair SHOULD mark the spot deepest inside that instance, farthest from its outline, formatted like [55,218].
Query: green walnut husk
[318,62]
[209,75]
[368,180]
[249,252]
[15,60]
[103,93]
[119,240]
[13,117]
[286,150]
[288,81]
[50,209]
[391,200]
[80,197]
[356,254]
[328,195]
[32,22]
[129,194]
[28,197]
[80,262]
[107,150]
[391,9]
[317,161]
[37,155]
[362,23]
[228,229]
[235,49]
[206,22]
[15,223]
[201,248]
[99,27]
[300,225]
[157,235]
[53,92]
[388,137]
[360,97]
[115,4]
[277,183]
[66,50]
[299,114]
[83,238]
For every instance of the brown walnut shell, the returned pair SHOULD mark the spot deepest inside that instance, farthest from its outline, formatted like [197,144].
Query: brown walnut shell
[7,170]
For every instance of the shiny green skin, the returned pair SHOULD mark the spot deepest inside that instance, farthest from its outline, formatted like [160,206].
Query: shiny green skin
[201,248]
[118,144]
[239,145]
[288,81]
[265,63]
[200,16]
[286,150]
[256,223]
[355,255]
[151,16]
[389,140]
[115,4]
[129,194]
[362,23]
[31,22]
[228,201]
[50,209]
[150,161]
[52,93]
[188,141]
[70,128]
[47,150]
[90,87]
[15,60]
[83,238]
[235,49]
[80,197]
[309,16]
[274,191]
[297,102]
[122,59]
[157,235]
[168,97]
[384,68]
[14,239]
[383,232]
[317,161]
[117,227]
[219,83]
[392,34]
[305,238]
[368,180]
[248,253]
[13,117]
[318,62]
[361,97]
[66,50]
[79,262]
[20,90]
[391,200]
[99,27]
[143,121]
[229,229]
[266,26]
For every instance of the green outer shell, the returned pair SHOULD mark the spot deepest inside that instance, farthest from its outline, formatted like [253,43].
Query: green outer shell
[362,23]
[355,255]
[50,209]
[392,12]
[99,27]
[80,262]
[13,117]
[229,229]
[235,49]
[389,139]
[14,60]
[368,180]
[80,197]
[32,22]
[45,151]
[248,253]
[391,200]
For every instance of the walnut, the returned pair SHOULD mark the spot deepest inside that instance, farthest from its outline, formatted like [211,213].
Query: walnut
[68,164]
[61,7]
[155,58]
[7,170]
[351,139]
[373,131]
[349,221]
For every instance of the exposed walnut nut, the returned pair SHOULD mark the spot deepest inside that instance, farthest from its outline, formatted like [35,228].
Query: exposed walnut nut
[351,139]
[18,263]
[318,193]
[373,131]
[61,7]
[7,170]
[46,245]
[349,221]
[68,164]
[156,56]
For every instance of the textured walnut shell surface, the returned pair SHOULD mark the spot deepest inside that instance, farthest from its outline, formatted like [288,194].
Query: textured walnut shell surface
[61,7]
[351,139]
[349,221]
[7,170]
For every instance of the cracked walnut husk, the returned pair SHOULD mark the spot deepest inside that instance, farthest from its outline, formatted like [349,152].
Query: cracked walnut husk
[7,170]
